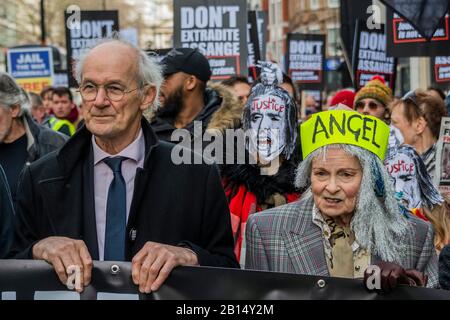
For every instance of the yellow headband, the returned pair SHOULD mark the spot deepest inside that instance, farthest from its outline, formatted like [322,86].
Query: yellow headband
[347,127]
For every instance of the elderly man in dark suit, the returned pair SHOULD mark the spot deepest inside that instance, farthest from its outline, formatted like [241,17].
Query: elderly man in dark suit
[350,219]
[113,193]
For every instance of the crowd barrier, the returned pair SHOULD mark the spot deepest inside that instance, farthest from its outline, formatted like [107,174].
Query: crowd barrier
[36,280]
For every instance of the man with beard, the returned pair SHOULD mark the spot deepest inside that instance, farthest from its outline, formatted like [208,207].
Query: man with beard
[184,97]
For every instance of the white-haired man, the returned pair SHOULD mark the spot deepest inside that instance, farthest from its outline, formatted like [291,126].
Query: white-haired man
[22,140]
[114,185]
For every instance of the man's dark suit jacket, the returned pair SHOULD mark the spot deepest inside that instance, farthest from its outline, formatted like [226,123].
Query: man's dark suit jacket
[172,204]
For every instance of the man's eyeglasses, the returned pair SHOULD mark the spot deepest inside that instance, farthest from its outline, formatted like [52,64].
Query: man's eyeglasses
[114,92]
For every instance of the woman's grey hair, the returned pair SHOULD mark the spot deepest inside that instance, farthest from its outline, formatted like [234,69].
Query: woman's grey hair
[377,222]
[12,94]
[148,69]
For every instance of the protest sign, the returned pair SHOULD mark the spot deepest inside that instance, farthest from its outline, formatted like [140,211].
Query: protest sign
[405,41]
[218,29]
[337,126]
[442,175]
[305,60]
[85,33]
[370,57]
[424,15]
[31,67]
[440,70]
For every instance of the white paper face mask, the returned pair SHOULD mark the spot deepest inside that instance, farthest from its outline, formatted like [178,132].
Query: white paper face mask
[268,127]
[404,177]
[394,142]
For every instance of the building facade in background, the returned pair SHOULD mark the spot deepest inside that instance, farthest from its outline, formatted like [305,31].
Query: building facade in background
[15,28]
[150,24]
[278,28]
[307,17]
[156,28]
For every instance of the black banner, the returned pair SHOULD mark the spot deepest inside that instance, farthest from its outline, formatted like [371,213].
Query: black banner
[305,60]
[440,70]
[218,30]
[83,33]
[405,41]
[370,58]
[262,20]
[36,280]
[424,15]
[254,52]
[350,12]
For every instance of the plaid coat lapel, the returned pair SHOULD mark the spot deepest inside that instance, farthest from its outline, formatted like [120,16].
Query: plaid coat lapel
[304,244]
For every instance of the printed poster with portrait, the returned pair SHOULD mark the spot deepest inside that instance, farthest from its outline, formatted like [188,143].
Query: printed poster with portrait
[404,168]
[442,177]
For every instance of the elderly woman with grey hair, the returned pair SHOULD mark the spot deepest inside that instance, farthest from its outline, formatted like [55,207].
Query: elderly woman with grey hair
[350,219]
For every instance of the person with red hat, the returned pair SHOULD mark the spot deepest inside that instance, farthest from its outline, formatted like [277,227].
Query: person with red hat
[345,97]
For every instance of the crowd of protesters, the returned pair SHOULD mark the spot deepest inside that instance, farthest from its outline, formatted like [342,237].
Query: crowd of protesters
[97,181]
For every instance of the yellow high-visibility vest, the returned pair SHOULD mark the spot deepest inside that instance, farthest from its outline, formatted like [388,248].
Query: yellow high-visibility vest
[56,124]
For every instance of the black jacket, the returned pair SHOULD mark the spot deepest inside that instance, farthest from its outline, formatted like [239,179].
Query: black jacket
[6,216]
[172,204]
[444,268]
[40,139]
[163,126]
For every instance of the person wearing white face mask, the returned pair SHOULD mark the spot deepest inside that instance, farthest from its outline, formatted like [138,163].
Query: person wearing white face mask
[418,116]
[270,121]
[413,185]
[268,126]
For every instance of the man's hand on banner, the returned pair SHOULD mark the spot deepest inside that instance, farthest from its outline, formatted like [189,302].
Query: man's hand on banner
[153,263]
[64,253]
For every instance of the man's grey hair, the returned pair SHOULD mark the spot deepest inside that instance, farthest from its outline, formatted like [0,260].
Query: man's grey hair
[35,100]
[149,70]
[377,222]
[12,94]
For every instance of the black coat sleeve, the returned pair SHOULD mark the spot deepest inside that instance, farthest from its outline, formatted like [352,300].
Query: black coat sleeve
[444,268]
[216,249]
[25,224]
[6,216]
